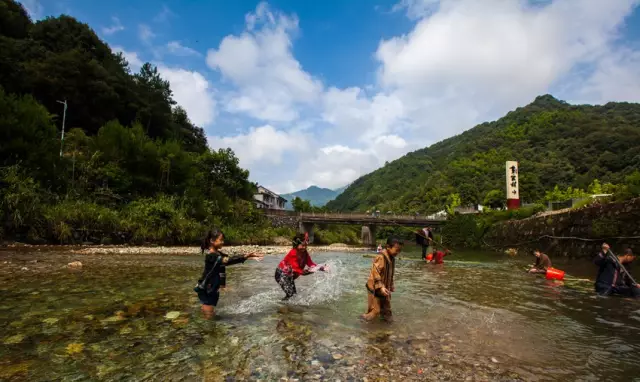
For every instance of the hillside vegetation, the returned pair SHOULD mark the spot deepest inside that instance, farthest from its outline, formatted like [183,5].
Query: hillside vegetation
[133,167]
[558,146]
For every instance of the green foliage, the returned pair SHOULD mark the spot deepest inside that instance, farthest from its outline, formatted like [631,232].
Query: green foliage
[632,182]
[300,205]
[468,230]
[161,220]
[494,199]
[556,144]
[337,234]
[20,200]
[558,195]
[61,58]
[78,221]
[133,166]
[453,202]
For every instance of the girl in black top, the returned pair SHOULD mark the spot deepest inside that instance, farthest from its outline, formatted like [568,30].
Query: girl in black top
[213,276]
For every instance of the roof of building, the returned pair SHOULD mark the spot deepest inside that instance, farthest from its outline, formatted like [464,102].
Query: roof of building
[268,191]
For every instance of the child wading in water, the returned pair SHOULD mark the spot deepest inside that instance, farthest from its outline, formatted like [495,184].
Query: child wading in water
[293,266]
[380,283]
[214,274]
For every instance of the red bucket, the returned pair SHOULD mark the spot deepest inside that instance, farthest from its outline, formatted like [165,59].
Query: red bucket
[430,257]
[554,274]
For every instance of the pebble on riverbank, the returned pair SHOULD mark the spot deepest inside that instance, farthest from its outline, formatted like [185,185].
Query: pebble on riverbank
[231,250]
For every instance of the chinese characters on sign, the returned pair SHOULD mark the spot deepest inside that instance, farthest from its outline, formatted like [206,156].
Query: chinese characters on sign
[512,180]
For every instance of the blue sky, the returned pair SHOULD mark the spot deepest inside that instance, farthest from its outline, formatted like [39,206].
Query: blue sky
[321,92]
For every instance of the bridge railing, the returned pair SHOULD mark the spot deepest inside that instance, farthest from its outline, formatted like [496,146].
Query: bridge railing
[359,215]
[347,215]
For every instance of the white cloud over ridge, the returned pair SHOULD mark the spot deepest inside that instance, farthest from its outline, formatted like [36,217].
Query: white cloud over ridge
[115,27]
[192,91]
[135,63]
[462,63]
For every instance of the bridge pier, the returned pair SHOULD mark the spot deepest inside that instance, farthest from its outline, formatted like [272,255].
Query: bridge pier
[369,235]
[306,228]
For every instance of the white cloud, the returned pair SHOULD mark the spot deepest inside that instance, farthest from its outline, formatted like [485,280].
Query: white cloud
[463,62]
[358,117]
[474,60]
[164,14]
[114,28]
[33,8]
[260,146]
[135,63]
[174,47]
[145,33]
[417,9]
[271,84]
[192,91]
[616,78]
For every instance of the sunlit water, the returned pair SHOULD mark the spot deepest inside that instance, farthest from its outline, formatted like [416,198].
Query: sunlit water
[136,317]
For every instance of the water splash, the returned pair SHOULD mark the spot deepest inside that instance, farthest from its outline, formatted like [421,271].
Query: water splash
[325,287]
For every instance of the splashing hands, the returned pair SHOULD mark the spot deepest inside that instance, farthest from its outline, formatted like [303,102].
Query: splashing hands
[257,256]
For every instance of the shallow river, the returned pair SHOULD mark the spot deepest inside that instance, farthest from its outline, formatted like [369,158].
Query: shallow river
[477,317]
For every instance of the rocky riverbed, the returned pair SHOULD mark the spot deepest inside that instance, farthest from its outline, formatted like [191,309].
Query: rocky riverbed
[230,250]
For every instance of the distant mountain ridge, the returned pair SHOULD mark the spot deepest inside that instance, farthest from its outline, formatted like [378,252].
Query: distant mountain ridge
[317,196]
[555,143]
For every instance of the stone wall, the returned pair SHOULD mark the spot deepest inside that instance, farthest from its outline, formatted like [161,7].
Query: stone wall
[283,221]
[557,234]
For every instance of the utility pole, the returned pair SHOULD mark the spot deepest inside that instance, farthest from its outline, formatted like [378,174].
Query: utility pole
[64,117]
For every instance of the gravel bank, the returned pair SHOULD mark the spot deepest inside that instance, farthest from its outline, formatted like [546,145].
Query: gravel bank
[231,250]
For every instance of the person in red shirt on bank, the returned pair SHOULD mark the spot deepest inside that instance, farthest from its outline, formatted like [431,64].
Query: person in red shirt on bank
[293,266]
[438,256]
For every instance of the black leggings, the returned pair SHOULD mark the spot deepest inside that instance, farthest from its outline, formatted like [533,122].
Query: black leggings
[286,283]
[424,251]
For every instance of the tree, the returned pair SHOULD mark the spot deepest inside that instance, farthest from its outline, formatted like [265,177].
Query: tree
[495,199]
[300,205]
[453,202]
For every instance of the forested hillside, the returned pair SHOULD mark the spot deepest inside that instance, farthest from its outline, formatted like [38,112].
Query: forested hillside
[557,144]
[133,167]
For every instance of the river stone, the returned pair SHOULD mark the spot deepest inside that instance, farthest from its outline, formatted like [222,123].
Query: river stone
[172,315]
[14,339]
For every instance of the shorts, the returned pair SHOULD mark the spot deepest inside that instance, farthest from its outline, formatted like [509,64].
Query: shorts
[209,297]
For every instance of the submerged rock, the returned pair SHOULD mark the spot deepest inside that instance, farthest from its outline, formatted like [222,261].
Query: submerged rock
[14,339]
[74,348]
[172,315]
[75,264]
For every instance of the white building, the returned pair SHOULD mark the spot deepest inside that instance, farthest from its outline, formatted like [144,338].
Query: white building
[269,199]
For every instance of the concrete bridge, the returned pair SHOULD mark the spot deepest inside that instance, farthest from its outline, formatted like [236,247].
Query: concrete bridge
[369,222]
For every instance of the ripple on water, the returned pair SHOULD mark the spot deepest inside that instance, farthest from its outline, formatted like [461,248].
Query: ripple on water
[136,317]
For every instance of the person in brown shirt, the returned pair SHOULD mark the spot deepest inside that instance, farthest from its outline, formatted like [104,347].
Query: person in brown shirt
[542,263]
[380,283]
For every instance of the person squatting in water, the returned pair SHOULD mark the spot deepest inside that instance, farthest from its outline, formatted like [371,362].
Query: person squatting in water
[295,264]
[612,278]
[542,263]
[381,283]
[214,273]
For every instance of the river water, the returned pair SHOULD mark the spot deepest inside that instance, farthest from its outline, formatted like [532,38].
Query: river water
[478,317]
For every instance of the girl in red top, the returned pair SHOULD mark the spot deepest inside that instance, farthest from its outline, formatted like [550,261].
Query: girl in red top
[439,256]
[293,265]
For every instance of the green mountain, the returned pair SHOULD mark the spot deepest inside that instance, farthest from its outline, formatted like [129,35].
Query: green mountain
[317,196]
[556,144]
[132,166]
